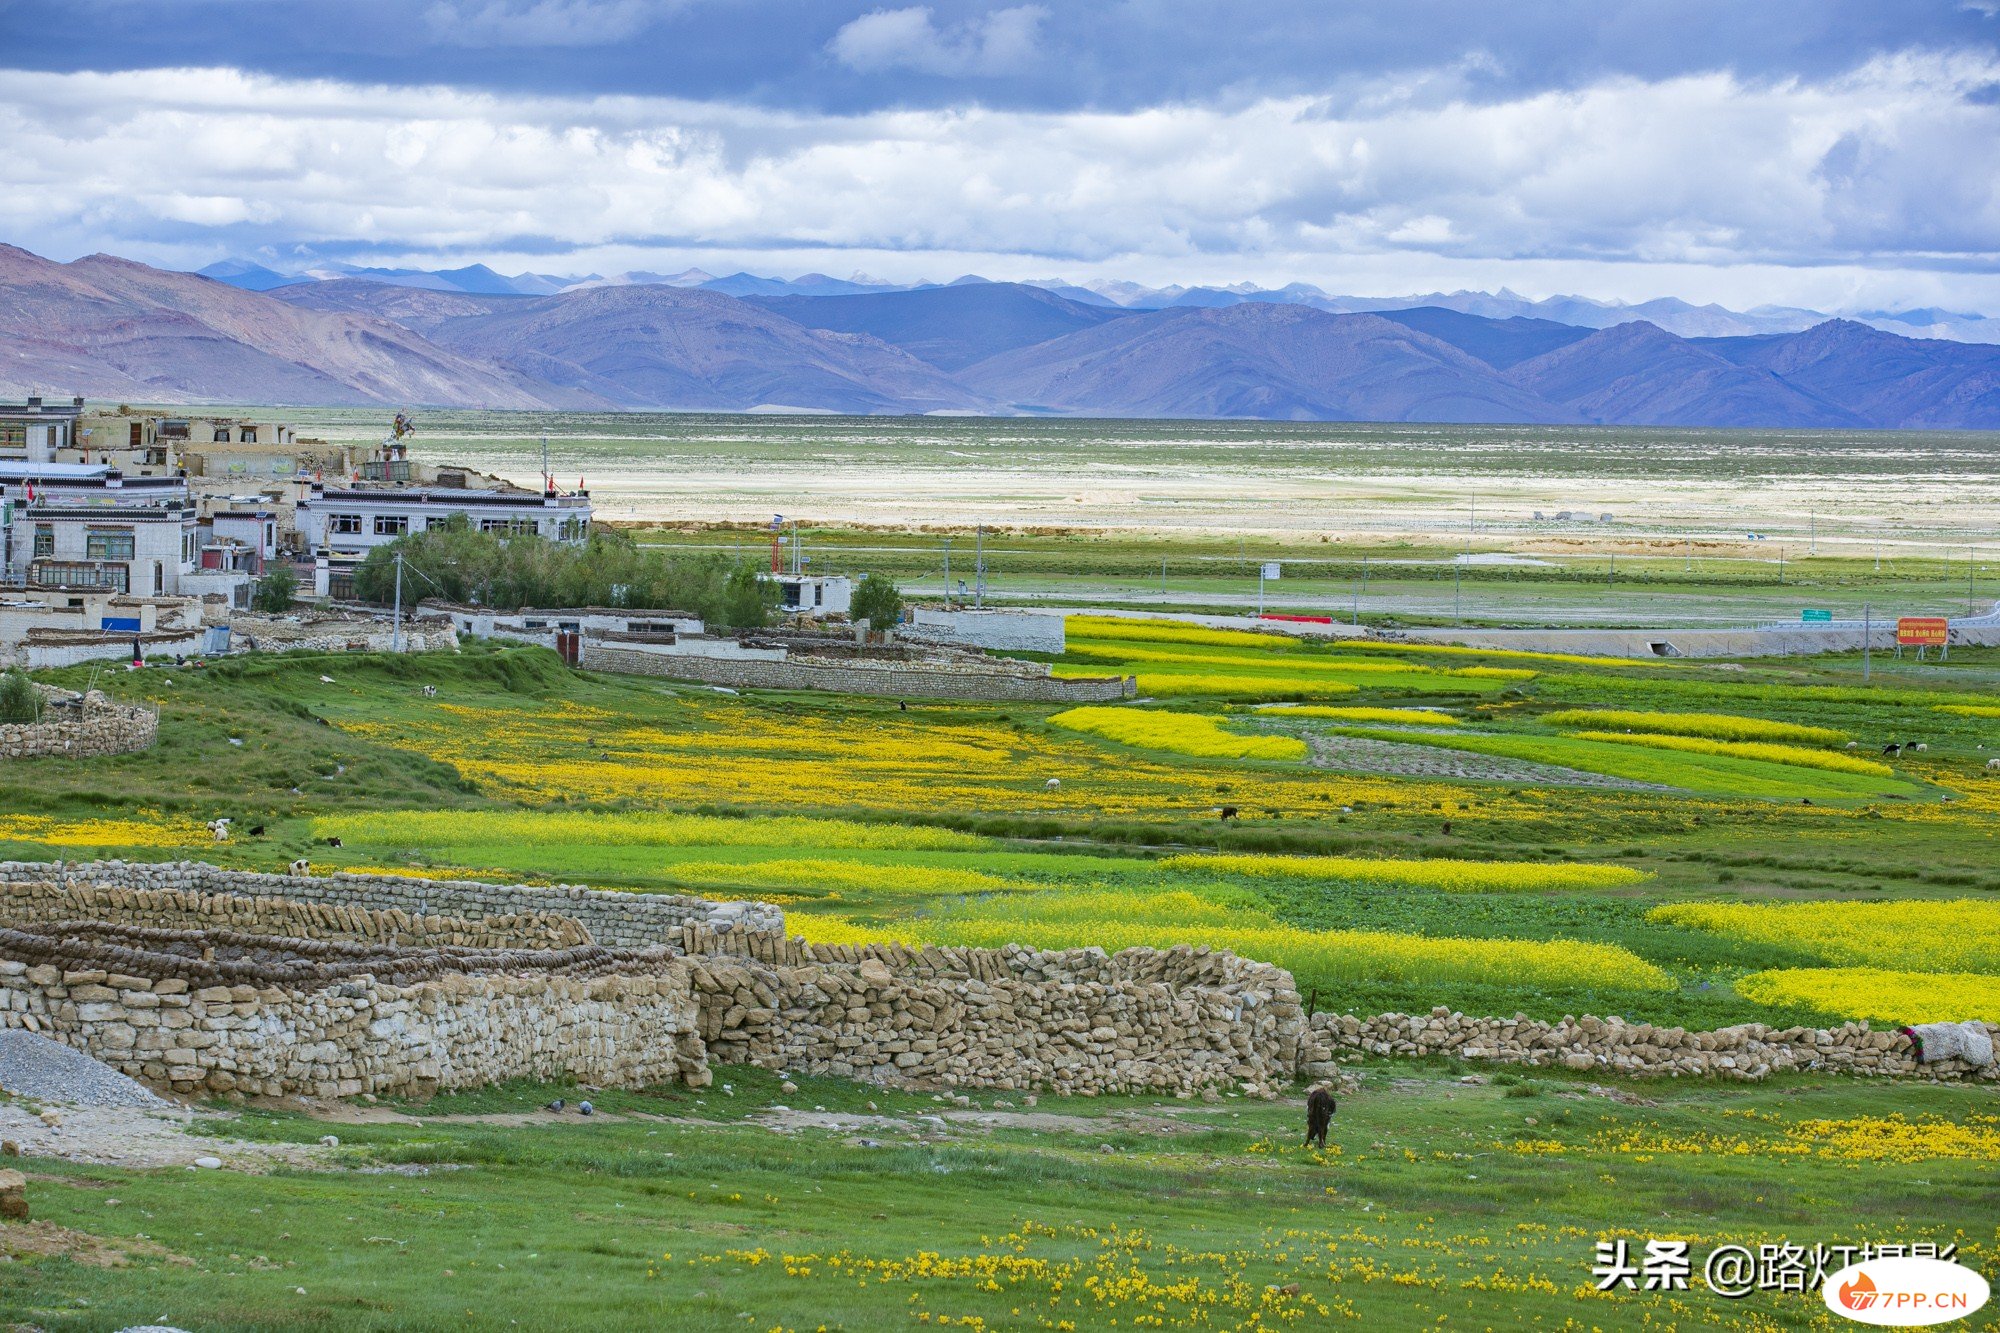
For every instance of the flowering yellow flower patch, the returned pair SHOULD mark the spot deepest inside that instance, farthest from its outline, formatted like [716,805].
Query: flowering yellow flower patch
[446,828]
[158,831]
[820,875]
[1912,934]
[1796,755]
[1172,631]
[1181,733]
[1448,875]
[1890,1138]
[1877,994]
[1715,726]
[1414,717]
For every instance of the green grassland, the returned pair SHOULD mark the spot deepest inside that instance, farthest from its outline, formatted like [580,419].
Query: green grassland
[1439,1202]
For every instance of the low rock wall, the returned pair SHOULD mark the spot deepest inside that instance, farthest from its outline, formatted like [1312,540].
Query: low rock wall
[620,920]
[98,729]
[916,680]
[1750,1051]
[1177,1021]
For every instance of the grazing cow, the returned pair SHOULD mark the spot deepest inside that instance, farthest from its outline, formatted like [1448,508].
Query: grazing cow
[1320,1107]
[1892,749]
[1052,784]
[333,842]
[430,691]
[1227,812]
[256,830]
[301,867]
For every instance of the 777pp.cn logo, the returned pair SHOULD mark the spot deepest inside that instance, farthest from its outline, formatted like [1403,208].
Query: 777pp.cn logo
[1905,1292]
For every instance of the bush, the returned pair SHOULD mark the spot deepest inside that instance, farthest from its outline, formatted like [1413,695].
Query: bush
[277,590]
[19,700]
[877,602]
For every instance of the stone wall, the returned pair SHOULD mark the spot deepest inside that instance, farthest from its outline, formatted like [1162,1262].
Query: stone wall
[1750,1051]
[912,680]
[619,920]
[1177,1021]
[46,651]
[93,726]
[345,634]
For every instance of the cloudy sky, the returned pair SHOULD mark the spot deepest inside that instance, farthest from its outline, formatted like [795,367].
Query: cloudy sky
[1843,154]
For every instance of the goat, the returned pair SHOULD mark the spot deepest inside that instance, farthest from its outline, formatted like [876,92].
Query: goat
[1320,1107]
[1227,812]
[301,867]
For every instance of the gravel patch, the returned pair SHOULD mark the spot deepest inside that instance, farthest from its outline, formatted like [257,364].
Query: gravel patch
[1362,754]
[35,1068]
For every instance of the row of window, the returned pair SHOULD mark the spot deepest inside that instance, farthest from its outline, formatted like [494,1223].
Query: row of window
[395,525]
[98,543]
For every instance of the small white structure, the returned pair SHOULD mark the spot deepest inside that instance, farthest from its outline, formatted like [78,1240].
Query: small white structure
[997,631]
[813,594]
[348,523]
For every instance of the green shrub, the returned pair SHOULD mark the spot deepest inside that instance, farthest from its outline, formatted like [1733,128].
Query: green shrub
[19,700]
[277,590]
[877,602]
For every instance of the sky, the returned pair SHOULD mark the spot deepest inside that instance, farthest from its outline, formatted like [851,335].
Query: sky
[1836,154]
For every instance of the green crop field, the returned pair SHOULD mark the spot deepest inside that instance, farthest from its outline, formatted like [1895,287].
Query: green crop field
[1671,842]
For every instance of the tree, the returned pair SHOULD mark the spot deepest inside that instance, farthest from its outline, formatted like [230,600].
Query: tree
[20,701]
[277,590]
[877,602]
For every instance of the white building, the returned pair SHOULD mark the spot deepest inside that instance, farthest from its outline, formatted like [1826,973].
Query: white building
[813,594]
[33,431]
[77,525]
[346,524]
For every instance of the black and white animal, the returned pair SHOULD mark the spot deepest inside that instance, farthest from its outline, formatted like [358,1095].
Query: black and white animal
[301,867]
[333,842]
[430,691]
[1892,749]
[1320,1107]
[1918,746]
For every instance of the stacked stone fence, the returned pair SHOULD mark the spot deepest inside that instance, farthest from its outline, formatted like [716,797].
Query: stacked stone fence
[926,680]
[257,631]
[81,728]
[1748,1052]
[620,920]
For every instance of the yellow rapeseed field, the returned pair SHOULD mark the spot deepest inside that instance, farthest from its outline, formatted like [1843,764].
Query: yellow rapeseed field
[446,828]
[1448,875]
[1714,726]
[1180,733]
[1172,631]
[1798,756]
[817,877]
[1413,717]
[1912,934]
[1879,995]
[157,831]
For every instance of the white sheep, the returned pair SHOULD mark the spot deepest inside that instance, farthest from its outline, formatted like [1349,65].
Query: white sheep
[1052,784]
[1993,764]
[220,828]
[1918,746]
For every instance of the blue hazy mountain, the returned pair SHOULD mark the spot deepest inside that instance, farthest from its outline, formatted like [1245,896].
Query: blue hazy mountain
[250,276]
[950,327]
[1500,343]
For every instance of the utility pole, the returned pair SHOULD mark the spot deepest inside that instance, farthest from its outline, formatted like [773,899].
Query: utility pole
[396,637]
[1455,604]
[1260,591]
[1781,566]
[1867,634]
[1971,565]
[1611,570]
[1812,532]
[1163,577]
[947,573]
[979,568]
[1364,590]
[1687,557]
[548,482]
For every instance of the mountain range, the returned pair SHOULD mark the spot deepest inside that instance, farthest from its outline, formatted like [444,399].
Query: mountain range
[1675,316]
[112,328]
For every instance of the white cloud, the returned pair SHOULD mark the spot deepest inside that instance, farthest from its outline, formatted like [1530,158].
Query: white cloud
[539,22]
[1002,42]
[1886,179]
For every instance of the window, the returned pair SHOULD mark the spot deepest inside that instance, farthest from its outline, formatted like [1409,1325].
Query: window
[344,524]
[571,530]
[174,430]
[391,525]
[45,540]
[249,435]
[508,527]
[108,543]
[136,436]
[221,435]
[13,435]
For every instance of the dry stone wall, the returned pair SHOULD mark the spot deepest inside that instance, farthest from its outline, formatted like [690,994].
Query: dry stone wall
[620,920]
[926,680]
[1079,1021]
[1750,1051]
[95,726]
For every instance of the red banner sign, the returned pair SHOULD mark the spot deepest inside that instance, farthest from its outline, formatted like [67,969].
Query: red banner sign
[1922,631]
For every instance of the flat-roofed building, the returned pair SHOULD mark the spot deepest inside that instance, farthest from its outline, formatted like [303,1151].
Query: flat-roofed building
[79,525]
[33,432]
